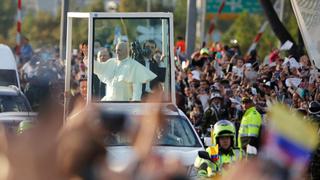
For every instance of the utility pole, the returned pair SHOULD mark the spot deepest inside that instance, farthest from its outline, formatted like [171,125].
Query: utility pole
[63,28]
[191,26]
[203,21]
[148,5]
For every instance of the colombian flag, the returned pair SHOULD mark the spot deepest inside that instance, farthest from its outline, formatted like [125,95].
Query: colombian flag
[214,153]
[290,138]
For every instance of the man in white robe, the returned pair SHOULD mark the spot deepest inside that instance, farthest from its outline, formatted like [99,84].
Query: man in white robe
[122,75]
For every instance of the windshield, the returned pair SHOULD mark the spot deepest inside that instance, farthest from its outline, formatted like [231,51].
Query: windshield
[177,133]
[8,77]
[13,104]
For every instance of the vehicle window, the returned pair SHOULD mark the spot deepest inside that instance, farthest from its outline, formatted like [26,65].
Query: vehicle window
[142,45]
[8,77]
[177,133]
[12,104]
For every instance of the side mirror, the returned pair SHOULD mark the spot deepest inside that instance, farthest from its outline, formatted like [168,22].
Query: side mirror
[204,155]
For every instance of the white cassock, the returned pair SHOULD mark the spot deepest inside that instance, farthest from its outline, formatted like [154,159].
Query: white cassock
[123,78]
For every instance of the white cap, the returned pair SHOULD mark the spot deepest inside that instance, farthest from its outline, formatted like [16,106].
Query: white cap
[248,65]
[215,95]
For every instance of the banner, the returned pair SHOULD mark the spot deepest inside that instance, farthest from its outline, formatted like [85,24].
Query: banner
[308,18]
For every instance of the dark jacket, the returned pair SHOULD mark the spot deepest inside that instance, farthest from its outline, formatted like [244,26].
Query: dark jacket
[98,88]
[212,115]
[159,71]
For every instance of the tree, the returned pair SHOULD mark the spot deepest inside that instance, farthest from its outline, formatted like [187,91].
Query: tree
[245,28]
[133,6]
[179,11]
[7,17]
[278,28]
[42,29]
[180,18]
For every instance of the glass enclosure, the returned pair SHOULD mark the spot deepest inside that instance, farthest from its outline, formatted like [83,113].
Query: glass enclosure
[130,59]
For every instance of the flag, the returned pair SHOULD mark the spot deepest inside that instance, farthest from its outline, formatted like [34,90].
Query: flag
[290,138]
[214,153]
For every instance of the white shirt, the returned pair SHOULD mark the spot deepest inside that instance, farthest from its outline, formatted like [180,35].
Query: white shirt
[123,78]
[29,70]
[237,71]
[204,98]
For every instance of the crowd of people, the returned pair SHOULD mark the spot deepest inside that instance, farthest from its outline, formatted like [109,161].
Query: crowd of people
[218,77]
[40,71]
[221,83]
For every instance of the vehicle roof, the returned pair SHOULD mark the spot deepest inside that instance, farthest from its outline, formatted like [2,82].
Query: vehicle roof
[9,90]
[7,60]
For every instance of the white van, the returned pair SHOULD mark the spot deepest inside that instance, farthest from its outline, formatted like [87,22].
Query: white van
[8,67]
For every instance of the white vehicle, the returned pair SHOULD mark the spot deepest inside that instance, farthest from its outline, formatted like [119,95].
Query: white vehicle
[8,67]
[179,139]
[14,108]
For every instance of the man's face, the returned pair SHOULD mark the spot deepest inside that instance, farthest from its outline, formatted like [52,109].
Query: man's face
[121,51]
[151,46]
[187,91]
[216,101]
[225,142]
[239,63]
[246,105]
[204,85]
[83,89]
[103,56]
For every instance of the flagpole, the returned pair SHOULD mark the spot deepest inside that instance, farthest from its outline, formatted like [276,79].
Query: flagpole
[18,38]
[63,28]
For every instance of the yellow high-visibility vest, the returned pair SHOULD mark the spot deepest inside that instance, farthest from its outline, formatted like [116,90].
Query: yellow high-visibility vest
[250,124]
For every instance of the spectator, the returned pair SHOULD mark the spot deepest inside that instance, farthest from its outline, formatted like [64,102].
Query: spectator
[155,66]
[180,44]
[215,112]
[26,50]
[250,126]
[99,88]
[79,100]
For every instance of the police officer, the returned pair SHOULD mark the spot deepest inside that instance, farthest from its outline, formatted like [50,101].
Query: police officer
[215,112]
[248,136]
[223,136]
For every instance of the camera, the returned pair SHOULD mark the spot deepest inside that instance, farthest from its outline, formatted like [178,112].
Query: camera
[146,52]
[137,52]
